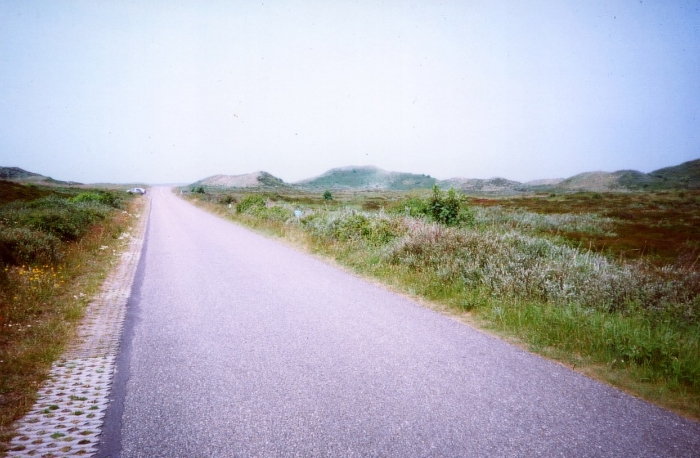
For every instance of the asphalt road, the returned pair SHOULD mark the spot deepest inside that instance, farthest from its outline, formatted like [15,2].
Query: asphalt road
[236,345]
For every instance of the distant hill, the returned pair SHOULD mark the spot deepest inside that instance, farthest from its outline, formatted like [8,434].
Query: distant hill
[683,176]
[686,174]
[250,180]
[491,185]
[15,173]
[614,181]
[22,176]
[367,177]
[544,182]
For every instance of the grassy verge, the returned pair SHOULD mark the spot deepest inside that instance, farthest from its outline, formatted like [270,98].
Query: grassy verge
[633,323]
[57,246]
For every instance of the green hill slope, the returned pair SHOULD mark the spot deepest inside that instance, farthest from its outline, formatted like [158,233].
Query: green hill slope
[23,176]
[15,173]
[685,175]
[368,177]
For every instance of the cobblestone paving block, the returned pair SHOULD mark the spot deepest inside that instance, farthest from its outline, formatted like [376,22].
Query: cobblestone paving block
[68,415]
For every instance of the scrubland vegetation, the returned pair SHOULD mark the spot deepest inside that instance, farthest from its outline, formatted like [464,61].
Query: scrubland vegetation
[606,283]
[56,245]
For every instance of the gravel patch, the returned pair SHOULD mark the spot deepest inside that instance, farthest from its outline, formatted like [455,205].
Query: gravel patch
[68,415]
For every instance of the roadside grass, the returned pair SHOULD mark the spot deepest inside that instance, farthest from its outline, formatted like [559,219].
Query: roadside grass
[57,247]
[587,280]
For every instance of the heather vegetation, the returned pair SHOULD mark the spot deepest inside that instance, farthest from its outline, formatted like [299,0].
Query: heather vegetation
[56,245]
[565,275]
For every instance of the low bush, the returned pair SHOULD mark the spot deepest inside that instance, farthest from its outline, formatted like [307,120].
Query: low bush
[34,231]
[274,213]
[413,206]
[446,208]
[350,225]
[99,197]
[22,245]
[64,218]
[249,202]
[441,207]
[227,199]
[509,264]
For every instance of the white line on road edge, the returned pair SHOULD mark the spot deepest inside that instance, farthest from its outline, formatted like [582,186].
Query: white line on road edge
[68,415]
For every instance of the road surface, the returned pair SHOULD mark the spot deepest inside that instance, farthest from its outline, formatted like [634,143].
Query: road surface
[236,345]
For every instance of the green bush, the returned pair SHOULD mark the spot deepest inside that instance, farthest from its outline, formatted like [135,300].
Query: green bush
[21,245]
[227,199]
[446,208]
[442,207]
[413,206]
[32,232]
[99,197]
[274,213]
[372,228]
[60,217]
[249,202]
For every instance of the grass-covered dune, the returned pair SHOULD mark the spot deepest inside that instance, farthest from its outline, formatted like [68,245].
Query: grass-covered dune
[607,283]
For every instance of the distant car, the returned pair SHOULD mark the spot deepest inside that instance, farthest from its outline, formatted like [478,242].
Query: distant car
[136,191]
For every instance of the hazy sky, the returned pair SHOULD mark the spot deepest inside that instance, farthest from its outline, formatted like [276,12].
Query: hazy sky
[174,91]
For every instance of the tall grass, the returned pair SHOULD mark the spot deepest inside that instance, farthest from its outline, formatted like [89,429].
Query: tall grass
[637,321]
[509,264]
[521,220]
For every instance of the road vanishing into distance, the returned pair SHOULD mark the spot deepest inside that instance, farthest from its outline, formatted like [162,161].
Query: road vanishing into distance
[237,345]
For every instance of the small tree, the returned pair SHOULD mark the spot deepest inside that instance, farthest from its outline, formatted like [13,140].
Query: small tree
[327,195]
[446,208]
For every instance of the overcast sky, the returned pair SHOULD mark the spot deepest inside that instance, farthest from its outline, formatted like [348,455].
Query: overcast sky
[174,91]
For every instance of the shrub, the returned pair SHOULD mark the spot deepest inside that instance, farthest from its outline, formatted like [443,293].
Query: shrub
[250,201]
[327,195]
[349,225]
[227,199]
[413,206]
[39,225]
[442,207]
[508,264]
[67,222]
[446,208]
[99,197]
[22,245]
[274,213]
